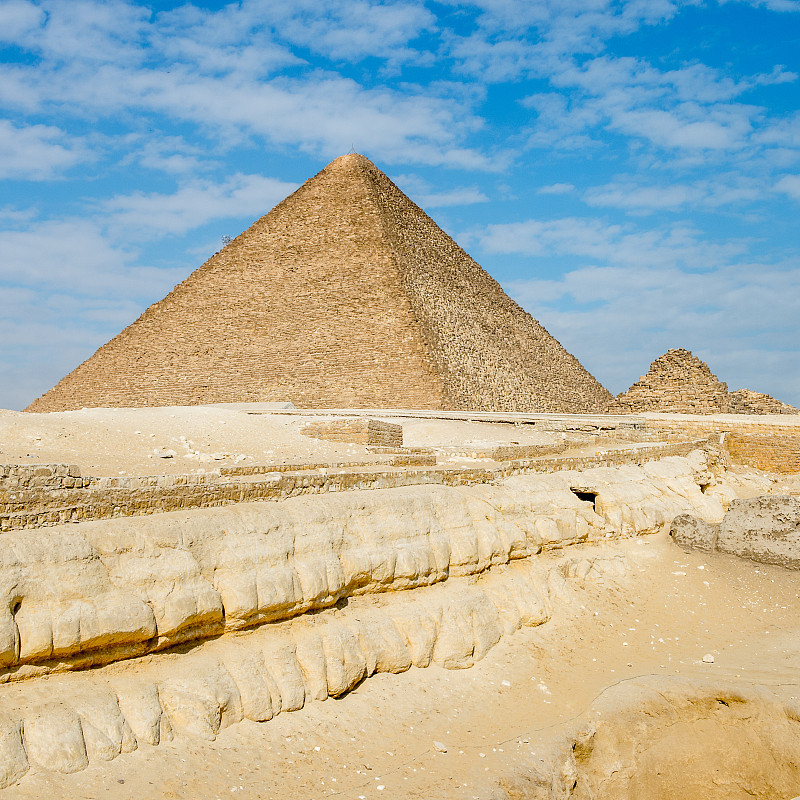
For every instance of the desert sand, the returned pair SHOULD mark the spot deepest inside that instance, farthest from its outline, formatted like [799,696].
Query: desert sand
[661,622]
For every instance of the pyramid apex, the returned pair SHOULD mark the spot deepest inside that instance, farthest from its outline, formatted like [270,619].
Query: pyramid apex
[350,160]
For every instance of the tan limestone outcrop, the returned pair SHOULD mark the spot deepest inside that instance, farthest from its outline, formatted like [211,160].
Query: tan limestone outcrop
[431,575]
[94,716]
[670,738]
[98,591]
[764,529]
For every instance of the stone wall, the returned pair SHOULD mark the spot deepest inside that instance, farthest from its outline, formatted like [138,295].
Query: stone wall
[130,496]
[765,451]
[371,432]
[41,476]
[771,447]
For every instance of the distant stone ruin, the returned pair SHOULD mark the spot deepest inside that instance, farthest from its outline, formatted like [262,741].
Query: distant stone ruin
[678,382]
[745,401]
[346,294]
[681,383]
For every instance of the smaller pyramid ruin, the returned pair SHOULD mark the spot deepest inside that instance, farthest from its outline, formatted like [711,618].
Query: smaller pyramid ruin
[680,383]
[746,401]
[677,382]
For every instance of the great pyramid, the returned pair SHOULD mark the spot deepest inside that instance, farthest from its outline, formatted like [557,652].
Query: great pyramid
[346,294]
[678,382]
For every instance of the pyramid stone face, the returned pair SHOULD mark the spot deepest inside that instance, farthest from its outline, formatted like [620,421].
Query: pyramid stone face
[746,401]
[677,382]
[345,295]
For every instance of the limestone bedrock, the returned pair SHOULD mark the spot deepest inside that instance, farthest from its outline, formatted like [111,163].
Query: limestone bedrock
[92,593]
[670,738]
[764,529]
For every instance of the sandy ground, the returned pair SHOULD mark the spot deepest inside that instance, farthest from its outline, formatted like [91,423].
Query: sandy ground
[132,441]
[378,741]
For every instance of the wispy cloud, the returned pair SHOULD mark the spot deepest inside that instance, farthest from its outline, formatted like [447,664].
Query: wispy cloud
[37,152]
[665,134]
[789,184]
[193,205]
[679,245]
[636,196]
[556,188]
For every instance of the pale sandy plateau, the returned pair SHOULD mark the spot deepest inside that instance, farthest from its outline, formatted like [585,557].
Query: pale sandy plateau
[536,635]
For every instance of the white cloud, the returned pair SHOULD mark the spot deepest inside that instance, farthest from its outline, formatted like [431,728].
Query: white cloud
[636,197]
[20,19]
[417,126]
[46,334]
[467,195]
[36,152]
[193,205]
[171,154]
[719,129]
[556,188]
[640,292]
[791,6]
[89,31]
[668,246]
[215,70]
[426,196]
[789,184]
[690,108]
[739,317]
[74,256]
[350,30]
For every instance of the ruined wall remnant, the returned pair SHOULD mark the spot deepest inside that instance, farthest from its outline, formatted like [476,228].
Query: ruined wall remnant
[745,401]
[360,430]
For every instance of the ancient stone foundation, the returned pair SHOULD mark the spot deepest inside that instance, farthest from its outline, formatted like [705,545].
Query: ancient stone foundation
[359,430]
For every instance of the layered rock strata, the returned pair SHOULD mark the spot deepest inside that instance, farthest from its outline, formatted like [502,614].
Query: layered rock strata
[432,574]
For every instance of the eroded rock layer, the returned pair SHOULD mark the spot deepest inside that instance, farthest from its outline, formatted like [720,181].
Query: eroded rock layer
[673,739]
[764,529]
[432,574]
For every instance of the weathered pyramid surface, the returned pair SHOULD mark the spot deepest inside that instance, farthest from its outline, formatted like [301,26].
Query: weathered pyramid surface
[746,401]
[679,382]
[346,294]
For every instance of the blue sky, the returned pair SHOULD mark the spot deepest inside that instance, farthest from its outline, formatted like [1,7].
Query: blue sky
[628,171]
